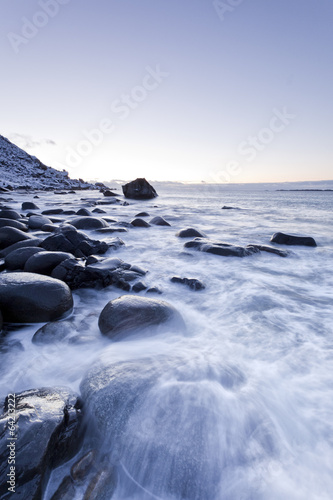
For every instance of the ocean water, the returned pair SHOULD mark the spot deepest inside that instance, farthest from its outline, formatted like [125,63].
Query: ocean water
[242,403]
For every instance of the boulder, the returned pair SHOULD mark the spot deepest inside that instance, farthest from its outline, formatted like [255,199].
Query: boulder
[99,211]
[139,286]
[11,235]
[32,298]
[190,232]
[140,189]
[48,433]
[33,242]
[287,239]
[142,214]
[130,313]
[17,259]
[8,213]
[88,222]
[13,223]
[83,211]
[159,221]
[139,223]
[220,248]
[53,332]
[29,205]
[53,211]
[269,249]
[109,193]
[44,262]
[37,221]
[192,283]
[68,239]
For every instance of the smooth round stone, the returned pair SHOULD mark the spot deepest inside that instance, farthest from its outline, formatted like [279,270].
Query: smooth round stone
[8,213]
[88,223]
[11,235]
[13,223]
[38,221]
[44,262]
[159,221]
[29,205]
[190,232]
[17,259]
[32,298]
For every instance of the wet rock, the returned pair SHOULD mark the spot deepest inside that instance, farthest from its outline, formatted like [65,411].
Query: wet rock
[159,221]
[53,211]
[102,486]
[190,232]
[65,491]
[225,207]
[33,298]
[50,419]
[154,289]
[84,212]
[68,239]
[192,283]
[10,235]
[13,223]
[142,214]
[129,313]
[140,189]
[37,221]
[54,332]
[17,259]
[139,223]
[29,205]
[49,228]
[83,466]
[139,286]
[33,242]
[99,211]
[269,249]
[88,223]
[109,193]
[8,213]
[219,248]
[287,239]
[44,262]
[113,229]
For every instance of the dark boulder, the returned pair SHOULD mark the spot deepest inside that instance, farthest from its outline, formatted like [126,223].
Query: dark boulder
[139,286]
[190,232]
[109,193]
[8,213]
[287,239]
[53,211]
[219,248]
[17,259]
[13,223]
[83,211]
[68,239]
[44,262]
[48,433]
[37,221]
[269,249]
[113,229]
[192,283]
[10,235]
[32,298]
[33,242]
[99,211]
[139,223]
[159,221]
[140,189]
[29,205]
[88,223]
[142,214]
[129,313]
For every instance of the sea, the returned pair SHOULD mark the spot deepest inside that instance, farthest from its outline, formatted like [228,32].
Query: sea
[243,407]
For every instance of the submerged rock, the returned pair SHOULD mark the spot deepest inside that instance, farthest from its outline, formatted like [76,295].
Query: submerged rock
[192,283]
[33,298]
[269,249]
[190,232]
[130,313]
[287,239]
[140,189]
[48,432]
[102,485]
[219,248]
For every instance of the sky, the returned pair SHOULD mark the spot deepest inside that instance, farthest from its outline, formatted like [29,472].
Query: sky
[172,90]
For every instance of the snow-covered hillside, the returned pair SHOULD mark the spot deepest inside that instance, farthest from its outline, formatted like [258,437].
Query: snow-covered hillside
[18,169]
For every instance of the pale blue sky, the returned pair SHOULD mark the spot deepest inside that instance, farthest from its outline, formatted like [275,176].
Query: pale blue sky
[242,94]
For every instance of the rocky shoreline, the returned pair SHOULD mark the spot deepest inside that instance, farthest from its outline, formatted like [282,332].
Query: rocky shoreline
[45,256]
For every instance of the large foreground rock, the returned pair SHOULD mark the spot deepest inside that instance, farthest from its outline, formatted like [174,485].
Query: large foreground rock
[48,431]
[32,298]
[288,239]
[140,189]
[219,248]
[130,313]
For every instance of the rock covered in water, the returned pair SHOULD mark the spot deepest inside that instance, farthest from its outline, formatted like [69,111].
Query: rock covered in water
[269,249]
[140,189]
[190,232]
[220,248]
[287,239]
[130,313]
[48,434]
[192,283]
[33,298]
